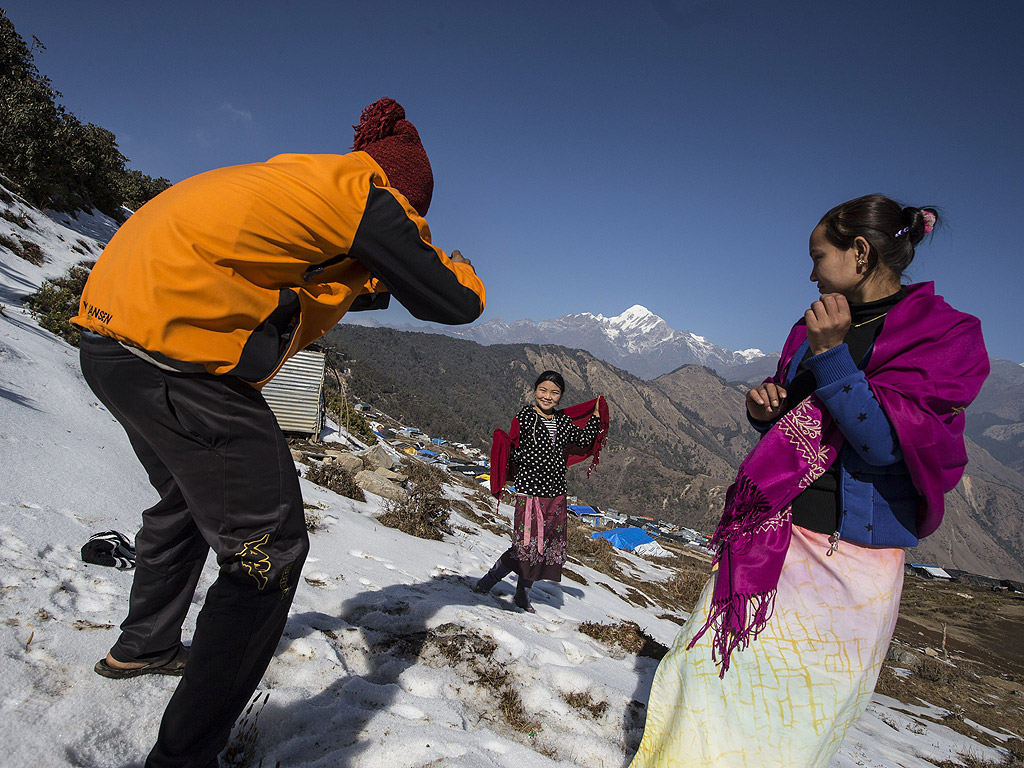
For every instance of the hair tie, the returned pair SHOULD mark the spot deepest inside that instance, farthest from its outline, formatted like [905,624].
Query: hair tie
[929,220]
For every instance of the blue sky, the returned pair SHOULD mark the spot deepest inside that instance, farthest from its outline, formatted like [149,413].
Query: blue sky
[593,155]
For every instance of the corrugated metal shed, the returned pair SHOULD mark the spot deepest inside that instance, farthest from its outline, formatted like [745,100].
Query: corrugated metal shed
[295,393]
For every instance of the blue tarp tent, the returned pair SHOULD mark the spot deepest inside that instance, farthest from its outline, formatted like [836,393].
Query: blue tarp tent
[582,509]
[624,538]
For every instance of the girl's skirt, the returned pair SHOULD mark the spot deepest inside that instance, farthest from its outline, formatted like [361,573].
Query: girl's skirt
[787,699]
[538,538]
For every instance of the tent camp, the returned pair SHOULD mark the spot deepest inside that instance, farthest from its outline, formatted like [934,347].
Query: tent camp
[633,540]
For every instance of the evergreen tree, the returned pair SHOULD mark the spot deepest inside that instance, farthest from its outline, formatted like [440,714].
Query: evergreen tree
[56,160]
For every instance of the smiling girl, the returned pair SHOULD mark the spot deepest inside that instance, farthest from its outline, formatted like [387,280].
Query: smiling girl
[539,455]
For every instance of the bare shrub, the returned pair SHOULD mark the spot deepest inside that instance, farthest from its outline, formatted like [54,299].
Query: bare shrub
[335,478]
[425,512]
[941,675]
[314,518]
[21,219]
[57,300]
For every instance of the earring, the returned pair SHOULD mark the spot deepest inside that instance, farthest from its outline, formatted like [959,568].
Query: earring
[861,261]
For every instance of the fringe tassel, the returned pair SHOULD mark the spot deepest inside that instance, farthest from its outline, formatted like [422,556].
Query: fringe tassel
[732,630]
[600,442]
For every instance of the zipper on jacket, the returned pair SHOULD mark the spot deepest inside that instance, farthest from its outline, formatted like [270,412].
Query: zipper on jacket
[317,269]
[833,540]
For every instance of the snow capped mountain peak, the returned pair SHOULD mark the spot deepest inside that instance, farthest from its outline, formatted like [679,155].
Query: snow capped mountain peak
[636,339]
[633,314]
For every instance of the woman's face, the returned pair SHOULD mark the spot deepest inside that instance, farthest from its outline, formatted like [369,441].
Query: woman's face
[833,269]
[548,394]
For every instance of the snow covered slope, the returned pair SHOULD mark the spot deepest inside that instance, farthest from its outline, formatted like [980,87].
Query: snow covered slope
[361,677]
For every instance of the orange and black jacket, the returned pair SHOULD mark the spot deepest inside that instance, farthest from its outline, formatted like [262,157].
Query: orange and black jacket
[238,268]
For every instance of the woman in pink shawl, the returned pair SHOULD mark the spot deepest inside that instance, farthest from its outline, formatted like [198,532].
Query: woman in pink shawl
[862,435]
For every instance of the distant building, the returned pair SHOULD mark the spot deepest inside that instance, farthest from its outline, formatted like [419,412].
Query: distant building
[295,394]
[973,579]
[930,572]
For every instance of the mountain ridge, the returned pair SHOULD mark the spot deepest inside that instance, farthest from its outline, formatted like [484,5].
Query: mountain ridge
[636,340]
[675,441]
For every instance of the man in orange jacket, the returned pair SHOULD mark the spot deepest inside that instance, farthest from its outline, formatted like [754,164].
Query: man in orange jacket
[196,302]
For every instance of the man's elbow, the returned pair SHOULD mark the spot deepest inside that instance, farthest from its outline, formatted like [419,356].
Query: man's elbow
[464,312]
[455,310]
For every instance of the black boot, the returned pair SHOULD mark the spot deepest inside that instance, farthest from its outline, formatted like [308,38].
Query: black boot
[522,597]
[498,572]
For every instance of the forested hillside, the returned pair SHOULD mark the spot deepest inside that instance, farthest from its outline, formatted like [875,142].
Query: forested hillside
[50,156]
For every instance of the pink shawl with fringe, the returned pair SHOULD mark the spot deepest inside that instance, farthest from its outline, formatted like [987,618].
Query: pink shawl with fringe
[925,368]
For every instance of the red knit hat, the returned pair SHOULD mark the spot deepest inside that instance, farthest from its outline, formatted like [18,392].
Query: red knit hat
[386,136]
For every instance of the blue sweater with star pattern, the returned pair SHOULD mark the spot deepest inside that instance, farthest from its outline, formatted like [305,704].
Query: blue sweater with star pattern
[879,504]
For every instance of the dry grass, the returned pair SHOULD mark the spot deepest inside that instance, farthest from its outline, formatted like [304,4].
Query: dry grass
[960,688]
[461,649]
[573,576]
[626,635]
[486,519]
[684,589]
[242,748]
[23,248]
[511,707]
[598,554]
[679,593]
[1014,758]
[335,478]
[583,701]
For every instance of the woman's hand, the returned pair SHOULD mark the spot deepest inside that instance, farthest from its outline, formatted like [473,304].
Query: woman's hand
[764,402]
[597,404]
[828,321]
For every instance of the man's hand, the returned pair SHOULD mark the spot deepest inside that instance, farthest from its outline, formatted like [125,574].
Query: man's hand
[458,258]
[764,402]
[828,321]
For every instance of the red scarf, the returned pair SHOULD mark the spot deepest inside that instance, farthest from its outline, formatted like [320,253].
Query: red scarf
[502,444]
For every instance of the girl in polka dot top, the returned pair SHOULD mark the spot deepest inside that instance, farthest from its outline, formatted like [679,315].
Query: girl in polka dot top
[538,548]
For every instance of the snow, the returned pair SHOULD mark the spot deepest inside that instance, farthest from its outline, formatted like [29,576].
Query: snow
[750,354]
[340,689]
[634,317]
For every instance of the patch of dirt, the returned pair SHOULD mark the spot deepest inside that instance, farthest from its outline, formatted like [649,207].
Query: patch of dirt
[961,645]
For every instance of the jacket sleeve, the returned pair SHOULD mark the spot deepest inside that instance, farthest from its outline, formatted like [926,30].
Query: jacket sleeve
[583,437]
[393,242]
[844,390]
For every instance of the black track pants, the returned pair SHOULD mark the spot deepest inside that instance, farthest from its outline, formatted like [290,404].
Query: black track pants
[214,453]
